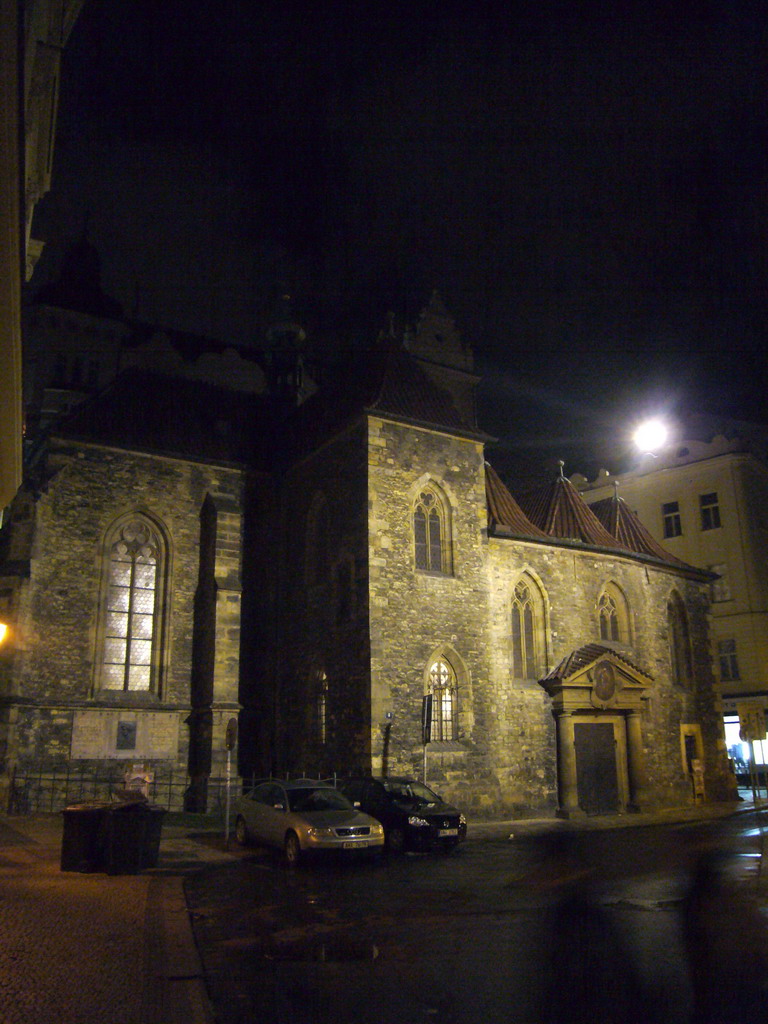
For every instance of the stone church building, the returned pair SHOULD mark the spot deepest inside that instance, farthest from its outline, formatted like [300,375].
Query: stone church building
[183,553]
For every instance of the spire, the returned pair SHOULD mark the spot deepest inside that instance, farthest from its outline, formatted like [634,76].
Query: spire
[503,510]
[622,523]
[437,339]
[560,511]
[285,339]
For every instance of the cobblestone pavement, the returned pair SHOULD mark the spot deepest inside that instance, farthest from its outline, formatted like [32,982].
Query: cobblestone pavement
[95,948]
[118,949]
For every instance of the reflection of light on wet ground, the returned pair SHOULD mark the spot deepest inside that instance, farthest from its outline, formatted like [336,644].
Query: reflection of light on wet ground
[338,949]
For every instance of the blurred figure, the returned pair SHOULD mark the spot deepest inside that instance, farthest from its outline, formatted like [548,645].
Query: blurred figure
[727,944]
[589,974]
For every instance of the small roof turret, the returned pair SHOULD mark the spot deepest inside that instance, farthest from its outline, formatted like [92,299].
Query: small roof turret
[503,511]
[622,524]
[561,512]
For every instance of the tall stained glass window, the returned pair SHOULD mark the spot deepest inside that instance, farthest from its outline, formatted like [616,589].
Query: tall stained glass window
[442,682]
[131,608]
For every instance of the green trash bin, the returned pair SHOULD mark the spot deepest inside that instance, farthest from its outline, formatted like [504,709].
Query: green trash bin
[82,844]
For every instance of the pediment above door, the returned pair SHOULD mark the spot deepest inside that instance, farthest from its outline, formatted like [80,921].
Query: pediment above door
[596,676]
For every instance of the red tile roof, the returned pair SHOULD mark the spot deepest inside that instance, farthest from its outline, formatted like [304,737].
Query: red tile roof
[561,512]
[503,510]
[622,523]
[587,655]
[558,512]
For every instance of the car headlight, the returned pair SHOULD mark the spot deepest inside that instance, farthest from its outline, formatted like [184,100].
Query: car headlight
[321,833]
[415,820]
[377,830]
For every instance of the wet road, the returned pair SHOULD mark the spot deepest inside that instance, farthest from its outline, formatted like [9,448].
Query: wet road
[533,928]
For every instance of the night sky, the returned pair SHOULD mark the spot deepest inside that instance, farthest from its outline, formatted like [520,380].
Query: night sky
[586,186]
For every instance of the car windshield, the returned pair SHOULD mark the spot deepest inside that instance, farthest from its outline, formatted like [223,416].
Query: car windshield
[320,799]
[411,792]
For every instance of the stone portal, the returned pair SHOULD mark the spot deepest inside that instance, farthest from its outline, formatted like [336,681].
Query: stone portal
[597,697]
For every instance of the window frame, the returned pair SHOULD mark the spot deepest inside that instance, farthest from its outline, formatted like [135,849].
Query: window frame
[321,709]
[317,542]
[157,641]
[680,652]
[613,609]
[671,520]
[608,617]
[709,510]
[728,660]
[527,638]
[431,532]
[439,717]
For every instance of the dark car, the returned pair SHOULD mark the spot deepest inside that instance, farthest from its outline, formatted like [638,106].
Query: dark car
[414,817]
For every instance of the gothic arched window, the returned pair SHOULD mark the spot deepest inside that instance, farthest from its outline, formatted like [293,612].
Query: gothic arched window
[130,631]
[442,686]
[679,642]
[527,630]
[431,533]
[321,709]
[613,615]
[609,617]
[317,541]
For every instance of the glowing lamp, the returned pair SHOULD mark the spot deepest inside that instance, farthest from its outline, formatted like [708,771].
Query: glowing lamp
[3,632]
[650,436]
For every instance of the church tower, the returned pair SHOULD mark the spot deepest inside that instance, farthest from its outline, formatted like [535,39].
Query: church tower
[445,357]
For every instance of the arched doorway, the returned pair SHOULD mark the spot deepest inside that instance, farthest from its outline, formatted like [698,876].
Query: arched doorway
[597,701]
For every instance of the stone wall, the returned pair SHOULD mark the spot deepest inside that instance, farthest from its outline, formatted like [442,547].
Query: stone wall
[259,649]
[504,762]
[323,610]
[416,616]
[52,678]
[571,582]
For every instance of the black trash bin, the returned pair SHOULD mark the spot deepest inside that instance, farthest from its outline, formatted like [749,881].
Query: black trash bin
[132,837]
[153,830]
[82,847]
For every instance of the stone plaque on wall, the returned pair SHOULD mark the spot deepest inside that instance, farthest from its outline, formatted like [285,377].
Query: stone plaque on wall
[162,734]
[125,734]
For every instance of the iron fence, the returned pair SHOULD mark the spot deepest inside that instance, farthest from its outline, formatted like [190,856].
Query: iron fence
[36,790]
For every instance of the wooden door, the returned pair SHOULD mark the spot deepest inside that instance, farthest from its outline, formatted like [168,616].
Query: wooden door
[596,774]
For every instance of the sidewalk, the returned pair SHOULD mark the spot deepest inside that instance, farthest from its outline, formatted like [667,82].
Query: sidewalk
[679,815]
[118,949]
[94,948]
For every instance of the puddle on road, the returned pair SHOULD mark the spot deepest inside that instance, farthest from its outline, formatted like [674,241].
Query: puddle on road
[338,949]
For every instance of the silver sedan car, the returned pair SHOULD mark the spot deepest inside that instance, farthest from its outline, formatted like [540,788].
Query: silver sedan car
[303,816]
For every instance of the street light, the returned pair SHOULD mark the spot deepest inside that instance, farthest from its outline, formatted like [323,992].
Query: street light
[650,436]
[3,632]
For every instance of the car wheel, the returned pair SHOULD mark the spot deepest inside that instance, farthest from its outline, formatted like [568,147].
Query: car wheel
[241,832]
[395,840]
[292,849]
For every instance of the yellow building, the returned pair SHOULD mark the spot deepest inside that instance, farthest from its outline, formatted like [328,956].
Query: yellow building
[706,501]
